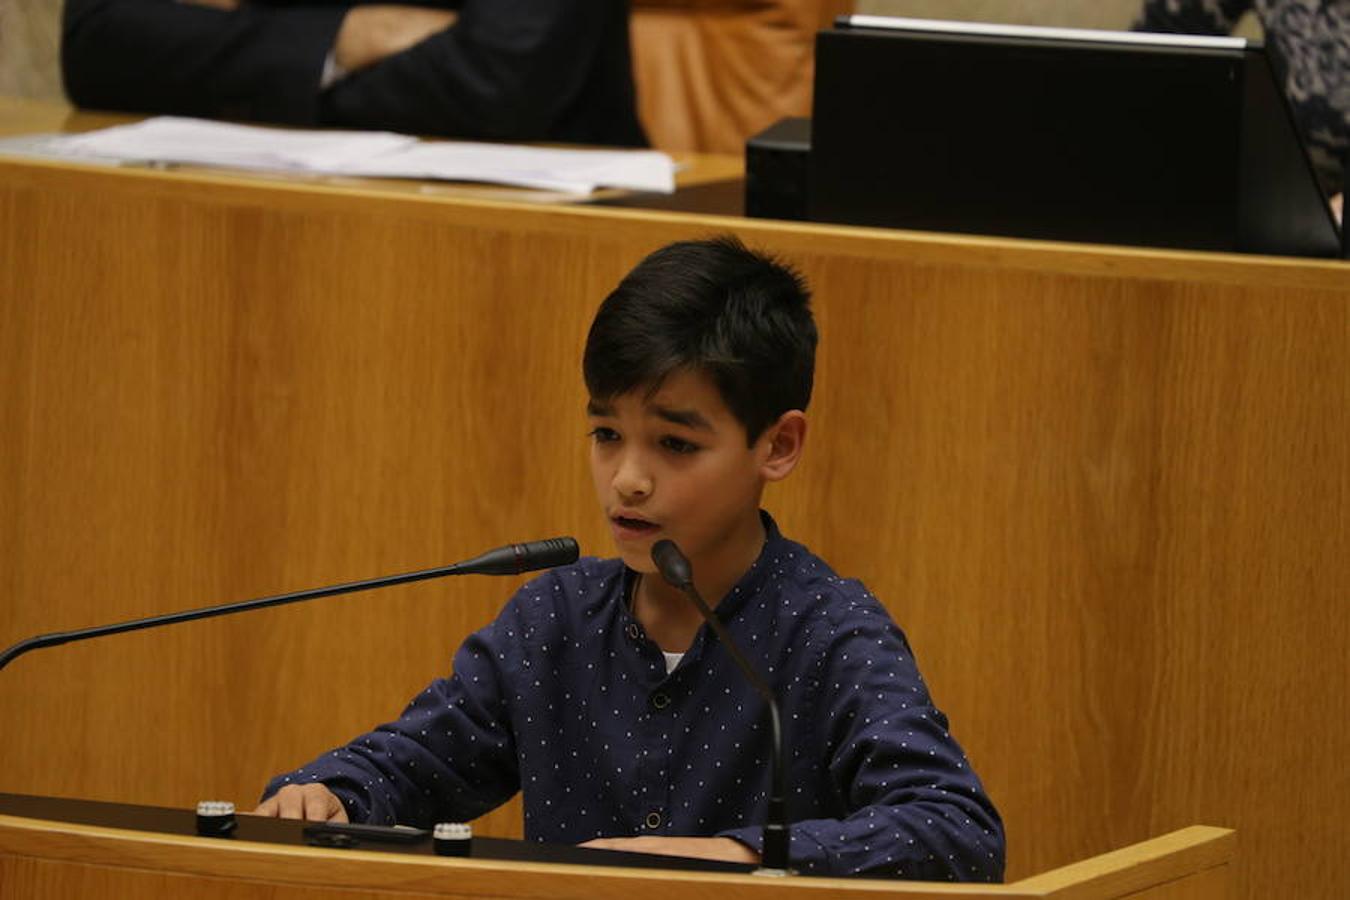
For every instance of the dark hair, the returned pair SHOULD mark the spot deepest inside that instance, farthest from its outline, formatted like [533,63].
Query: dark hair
[715,307]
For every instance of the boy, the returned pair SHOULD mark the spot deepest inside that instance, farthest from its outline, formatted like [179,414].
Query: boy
[599,691]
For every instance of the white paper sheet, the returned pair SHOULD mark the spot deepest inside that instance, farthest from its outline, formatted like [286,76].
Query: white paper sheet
[171,139]
[579,171]
[168,139]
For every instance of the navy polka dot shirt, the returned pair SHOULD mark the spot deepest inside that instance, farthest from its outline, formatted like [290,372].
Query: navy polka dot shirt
[565,698]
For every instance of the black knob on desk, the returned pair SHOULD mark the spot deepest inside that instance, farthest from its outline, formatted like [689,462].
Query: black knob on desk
[215,818]
[452,839]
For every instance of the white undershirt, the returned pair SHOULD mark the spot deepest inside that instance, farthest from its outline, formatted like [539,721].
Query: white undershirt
[672,660]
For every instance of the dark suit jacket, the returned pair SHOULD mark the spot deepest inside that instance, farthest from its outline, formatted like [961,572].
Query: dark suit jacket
[507,70]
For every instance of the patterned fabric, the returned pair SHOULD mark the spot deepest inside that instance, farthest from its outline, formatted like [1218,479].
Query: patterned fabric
[565,697]
[1309,42]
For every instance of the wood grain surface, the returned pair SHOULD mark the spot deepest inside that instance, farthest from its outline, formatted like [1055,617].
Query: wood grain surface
[40,859]
[1105,491]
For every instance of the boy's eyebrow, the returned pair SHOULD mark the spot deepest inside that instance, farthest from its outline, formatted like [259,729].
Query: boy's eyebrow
[689,418]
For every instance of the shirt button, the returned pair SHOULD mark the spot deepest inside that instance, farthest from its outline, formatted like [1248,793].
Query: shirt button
[653,820]
[660,700]
[633,631]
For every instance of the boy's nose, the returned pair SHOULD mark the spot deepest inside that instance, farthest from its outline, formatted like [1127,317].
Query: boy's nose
[631,479]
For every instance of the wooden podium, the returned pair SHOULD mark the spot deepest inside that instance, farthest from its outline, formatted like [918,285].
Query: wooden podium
[1102,489]
[62,855]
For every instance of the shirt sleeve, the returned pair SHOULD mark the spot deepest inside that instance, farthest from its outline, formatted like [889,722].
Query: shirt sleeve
[451,755]
[260,62]
[506,70]
[915,807]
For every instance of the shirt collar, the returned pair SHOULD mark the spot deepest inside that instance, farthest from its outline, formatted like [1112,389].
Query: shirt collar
[756,578]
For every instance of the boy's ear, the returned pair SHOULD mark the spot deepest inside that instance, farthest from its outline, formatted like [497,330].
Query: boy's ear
[784,441]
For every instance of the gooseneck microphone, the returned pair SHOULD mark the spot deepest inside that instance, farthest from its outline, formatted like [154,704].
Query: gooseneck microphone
[677,572]
[512,559]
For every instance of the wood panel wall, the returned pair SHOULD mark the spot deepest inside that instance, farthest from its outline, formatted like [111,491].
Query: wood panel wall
[1105,492]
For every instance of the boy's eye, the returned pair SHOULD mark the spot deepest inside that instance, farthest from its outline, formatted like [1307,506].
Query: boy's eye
[678,445]
[603,435]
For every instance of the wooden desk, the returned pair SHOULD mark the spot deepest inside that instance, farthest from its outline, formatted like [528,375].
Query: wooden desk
[139,853]
[1104,490]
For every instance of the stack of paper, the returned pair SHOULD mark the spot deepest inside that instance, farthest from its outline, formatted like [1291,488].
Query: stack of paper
[169,139]
[578,171]
[370,154]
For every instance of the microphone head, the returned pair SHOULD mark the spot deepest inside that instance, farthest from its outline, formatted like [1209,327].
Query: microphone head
[514,559]
[562,551]
[672,564]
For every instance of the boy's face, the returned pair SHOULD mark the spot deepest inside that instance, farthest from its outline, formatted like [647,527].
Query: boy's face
[675,465]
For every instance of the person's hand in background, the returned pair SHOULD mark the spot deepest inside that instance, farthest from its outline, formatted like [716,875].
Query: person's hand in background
[375,32]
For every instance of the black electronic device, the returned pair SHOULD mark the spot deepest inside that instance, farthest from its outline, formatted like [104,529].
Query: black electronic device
[380,834]
[1067,134]
[776,179]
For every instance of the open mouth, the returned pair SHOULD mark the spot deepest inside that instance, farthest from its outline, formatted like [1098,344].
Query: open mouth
[630,525]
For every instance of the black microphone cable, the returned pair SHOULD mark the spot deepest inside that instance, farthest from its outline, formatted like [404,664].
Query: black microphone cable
[677,572]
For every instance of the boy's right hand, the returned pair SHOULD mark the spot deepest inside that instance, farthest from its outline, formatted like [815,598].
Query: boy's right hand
[313,802]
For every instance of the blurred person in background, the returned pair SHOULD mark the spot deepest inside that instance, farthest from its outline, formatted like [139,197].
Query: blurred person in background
[556,70]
